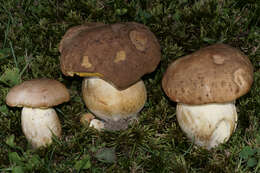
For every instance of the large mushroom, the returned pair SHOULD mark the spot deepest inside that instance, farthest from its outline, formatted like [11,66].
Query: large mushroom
[206,84]
[113,58]
[39,119]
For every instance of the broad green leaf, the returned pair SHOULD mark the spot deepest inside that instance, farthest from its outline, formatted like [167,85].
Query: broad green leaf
[107,155]
[18,169]
[84,163]
[4,109]
[15,158]
[10,141]
[247,152]
[11,77]
[251,162]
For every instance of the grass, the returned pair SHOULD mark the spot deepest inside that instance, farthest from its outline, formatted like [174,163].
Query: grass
[30,34]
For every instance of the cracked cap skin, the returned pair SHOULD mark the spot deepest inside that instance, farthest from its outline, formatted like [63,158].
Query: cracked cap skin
[118,53]
[215,74]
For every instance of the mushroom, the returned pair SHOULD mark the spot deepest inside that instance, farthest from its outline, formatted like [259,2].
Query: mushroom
[113,58]
[205,84]
[97,124]
[39,120]
[86,118]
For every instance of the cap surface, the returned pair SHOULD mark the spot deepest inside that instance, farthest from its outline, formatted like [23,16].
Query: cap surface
[120,53]
[214,74]
[38,93]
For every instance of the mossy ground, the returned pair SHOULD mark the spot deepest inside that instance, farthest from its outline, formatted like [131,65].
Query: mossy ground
[30,34]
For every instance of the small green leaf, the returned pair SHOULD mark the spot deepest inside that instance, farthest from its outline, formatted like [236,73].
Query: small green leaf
[251,162]
[4,109]
[176,16]
[15,158]
[121,11]
[18,169]
[11,77]
[247,152]
[4,53]
[34,161]
[10,141]
[84,163]
[106,155]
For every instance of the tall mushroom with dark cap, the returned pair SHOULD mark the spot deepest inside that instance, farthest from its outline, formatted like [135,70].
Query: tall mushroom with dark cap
[113,58]
[39,120]
[206,84]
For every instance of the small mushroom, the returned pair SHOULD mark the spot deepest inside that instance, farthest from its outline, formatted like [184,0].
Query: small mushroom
[89,119]
[97,124]
[206,84]
[113,58]
[86,118]
[39,120]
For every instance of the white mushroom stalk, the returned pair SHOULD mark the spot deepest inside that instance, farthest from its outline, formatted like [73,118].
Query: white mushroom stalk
[208,125]
[110,104]
[39,125]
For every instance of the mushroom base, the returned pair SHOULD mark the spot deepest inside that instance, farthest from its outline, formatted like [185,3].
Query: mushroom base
[121,124]
[39,125]
[113,106]
[208,125]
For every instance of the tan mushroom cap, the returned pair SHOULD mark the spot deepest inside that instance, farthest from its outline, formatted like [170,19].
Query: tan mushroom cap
[38,93]
[214,74]
[119,53]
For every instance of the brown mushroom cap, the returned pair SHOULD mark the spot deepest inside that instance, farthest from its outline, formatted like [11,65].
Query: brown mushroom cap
[120,53]
[214,74]
[38,93]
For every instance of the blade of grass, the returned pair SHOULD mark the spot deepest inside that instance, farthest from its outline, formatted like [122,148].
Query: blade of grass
[12,50]
[26,65]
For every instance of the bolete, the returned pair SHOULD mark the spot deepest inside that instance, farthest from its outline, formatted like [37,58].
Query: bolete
[113,58]
[206,84]
[39,120]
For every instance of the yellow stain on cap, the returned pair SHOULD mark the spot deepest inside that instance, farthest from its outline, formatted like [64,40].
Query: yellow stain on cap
[120,56]
[84,74]
[85,62]
[139,39]
[217,59]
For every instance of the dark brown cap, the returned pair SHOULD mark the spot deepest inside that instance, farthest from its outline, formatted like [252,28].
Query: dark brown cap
[120,53]
[38,93]
[214,74]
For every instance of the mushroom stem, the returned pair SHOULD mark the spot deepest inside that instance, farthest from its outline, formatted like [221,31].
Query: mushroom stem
[208,125]
[111,104]
[39,125]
